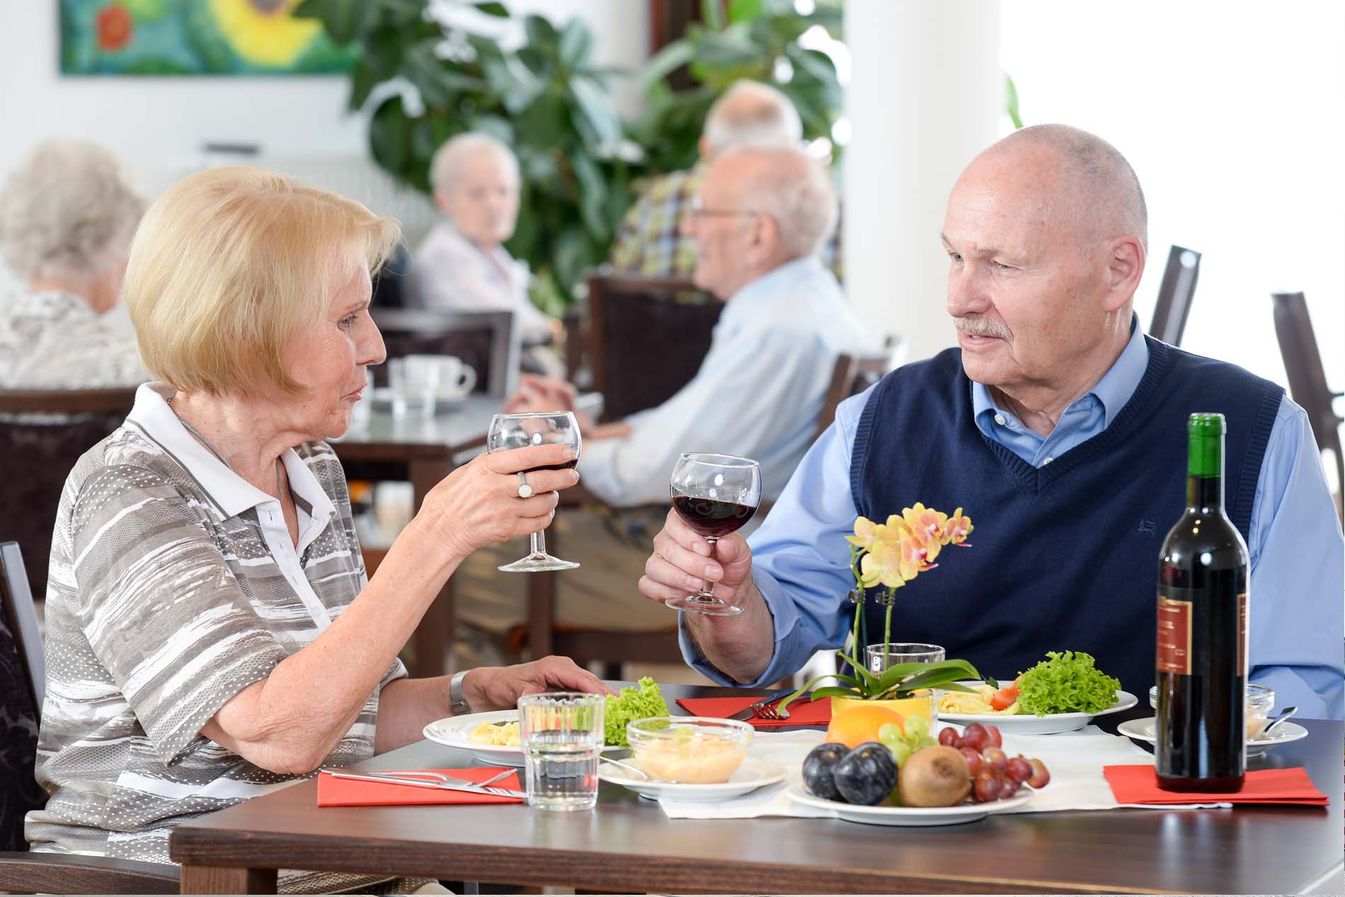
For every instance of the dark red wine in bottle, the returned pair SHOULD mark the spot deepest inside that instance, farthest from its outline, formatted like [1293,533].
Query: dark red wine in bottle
[712,518]
[1201,662]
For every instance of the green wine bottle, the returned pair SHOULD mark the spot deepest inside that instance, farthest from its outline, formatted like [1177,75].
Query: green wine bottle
[1201,663]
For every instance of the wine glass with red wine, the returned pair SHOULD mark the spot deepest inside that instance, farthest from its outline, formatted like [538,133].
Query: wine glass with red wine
[511,431]
[715,494]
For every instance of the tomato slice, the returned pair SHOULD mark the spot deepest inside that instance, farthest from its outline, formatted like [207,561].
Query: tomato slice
[1004,698]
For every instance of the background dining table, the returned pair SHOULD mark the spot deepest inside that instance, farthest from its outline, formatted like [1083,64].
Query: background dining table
[628,844]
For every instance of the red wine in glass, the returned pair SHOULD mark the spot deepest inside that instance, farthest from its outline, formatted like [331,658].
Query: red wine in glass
[712,518]
[715,494]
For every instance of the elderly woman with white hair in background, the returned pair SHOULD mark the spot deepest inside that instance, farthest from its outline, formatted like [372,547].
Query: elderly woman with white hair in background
[462,264]
[210,626]
[67,213]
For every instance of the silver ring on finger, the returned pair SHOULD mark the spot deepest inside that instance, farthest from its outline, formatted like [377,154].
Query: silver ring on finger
[524,487]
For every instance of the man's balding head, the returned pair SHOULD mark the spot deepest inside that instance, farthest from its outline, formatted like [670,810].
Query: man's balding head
[750,114]
[1093,185]
[759,207]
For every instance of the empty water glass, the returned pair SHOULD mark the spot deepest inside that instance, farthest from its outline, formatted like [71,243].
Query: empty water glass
[414,387]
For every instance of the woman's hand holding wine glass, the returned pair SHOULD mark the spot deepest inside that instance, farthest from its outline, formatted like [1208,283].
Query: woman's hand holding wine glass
[513,431]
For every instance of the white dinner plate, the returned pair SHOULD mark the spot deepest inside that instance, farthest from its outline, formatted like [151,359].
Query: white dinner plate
[1028,724]
[1285,732]
[753,774]
[954,815]
[455,731]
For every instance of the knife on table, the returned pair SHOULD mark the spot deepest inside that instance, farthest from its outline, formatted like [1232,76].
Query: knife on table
[456,785]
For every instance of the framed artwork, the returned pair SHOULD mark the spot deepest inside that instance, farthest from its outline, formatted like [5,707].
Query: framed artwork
[194,37]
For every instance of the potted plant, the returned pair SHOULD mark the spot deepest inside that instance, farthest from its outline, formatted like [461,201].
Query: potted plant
[884,557]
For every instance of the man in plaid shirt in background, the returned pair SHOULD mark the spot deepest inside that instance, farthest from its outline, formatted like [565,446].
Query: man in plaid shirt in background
[651,241]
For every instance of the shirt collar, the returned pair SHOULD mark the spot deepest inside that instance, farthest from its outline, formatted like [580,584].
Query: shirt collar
[1112,391]
[232,493]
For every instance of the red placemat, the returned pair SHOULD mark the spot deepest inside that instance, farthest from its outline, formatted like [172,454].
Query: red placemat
[334,792]
[801,712]
[1139,785]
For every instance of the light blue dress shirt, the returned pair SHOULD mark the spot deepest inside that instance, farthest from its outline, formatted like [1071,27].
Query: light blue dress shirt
[801,559]
[757,394]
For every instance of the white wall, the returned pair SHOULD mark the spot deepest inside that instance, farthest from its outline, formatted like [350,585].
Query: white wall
[1231,115]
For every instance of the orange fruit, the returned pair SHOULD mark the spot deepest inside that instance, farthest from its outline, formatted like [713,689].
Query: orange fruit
[855,725]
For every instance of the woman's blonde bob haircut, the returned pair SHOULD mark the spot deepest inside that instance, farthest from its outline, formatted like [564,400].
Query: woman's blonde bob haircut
[230,264]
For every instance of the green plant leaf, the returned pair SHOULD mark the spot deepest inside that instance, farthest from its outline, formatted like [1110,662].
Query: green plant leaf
[389,137]
[344,20]
[493,9]
[597,108]
[1011,101]
[665,62]
[592,193]
[833,691]
[744,10]
[541,33]
[576,42]
[712,14]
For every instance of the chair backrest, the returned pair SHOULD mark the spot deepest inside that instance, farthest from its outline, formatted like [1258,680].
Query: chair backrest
[21,686]
[42,435]
[1307,377]
[647,338]
[852,375]
[486,341]
[1175,294]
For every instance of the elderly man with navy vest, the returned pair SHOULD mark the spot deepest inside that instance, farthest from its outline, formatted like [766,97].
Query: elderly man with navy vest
[1061,430]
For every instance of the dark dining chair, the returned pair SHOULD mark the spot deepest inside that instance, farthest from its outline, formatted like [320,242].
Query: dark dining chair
[1175,294]
[22,683]
[1307,377]
[42,435]
[646,338]
[853,374]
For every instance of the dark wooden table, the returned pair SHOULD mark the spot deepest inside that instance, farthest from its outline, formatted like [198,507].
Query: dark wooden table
[422,451]
[629,845]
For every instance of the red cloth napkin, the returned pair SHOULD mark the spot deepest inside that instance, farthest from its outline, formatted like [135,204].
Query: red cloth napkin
[801,712]
[1139,785]
[334,792]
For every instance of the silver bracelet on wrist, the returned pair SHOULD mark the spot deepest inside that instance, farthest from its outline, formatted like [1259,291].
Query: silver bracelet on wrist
[457,703]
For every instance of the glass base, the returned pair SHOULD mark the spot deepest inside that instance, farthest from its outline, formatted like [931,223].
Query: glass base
[537,563]
[707,605]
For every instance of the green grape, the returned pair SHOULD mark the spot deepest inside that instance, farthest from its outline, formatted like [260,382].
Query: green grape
[916,729]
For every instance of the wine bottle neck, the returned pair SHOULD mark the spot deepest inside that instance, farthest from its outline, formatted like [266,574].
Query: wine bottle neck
[1205,492]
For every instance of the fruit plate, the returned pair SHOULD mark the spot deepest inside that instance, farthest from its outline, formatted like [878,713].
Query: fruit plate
[456,732]
[1027,724]
[909,816]
[753,774]
[1143,730]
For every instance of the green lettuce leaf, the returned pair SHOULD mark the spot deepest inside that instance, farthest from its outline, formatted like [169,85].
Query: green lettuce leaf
[640,701]
[1066,682]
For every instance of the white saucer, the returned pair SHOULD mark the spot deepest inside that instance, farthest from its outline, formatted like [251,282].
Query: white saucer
[753,774]
[1143,730]
[909,816]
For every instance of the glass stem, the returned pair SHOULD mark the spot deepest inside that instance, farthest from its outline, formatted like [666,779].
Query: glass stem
[707,590]
[539,543]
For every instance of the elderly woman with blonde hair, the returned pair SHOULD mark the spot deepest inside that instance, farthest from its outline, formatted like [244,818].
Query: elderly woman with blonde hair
[66,217]
[211,628]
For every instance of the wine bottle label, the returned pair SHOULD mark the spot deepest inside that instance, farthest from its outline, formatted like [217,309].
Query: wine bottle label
[1174,636]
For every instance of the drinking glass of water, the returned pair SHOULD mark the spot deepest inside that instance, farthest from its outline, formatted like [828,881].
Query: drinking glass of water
[715,494]
[562,735]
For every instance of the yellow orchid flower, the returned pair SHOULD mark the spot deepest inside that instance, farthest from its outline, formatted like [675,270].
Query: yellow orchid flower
[866,531]
[881,565]
[959,527]
[926,521]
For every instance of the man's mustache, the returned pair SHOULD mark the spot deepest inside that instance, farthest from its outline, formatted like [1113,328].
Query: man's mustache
[977,325]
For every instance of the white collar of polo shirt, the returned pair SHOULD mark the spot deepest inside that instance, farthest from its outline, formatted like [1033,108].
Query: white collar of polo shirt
[231,493]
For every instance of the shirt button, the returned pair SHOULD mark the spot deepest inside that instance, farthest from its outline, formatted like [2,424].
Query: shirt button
[999,419]
[1048,460]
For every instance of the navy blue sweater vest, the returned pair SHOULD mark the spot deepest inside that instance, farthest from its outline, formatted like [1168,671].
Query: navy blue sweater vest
[1064,557]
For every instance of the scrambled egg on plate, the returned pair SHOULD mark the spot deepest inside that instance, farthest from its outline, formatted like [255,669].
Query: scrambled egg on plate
[973,703]
[501,734]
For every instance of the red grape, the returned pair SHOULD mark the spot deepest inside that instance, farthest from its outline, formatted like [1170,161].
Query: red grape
[986,788]
[973,760]
[996,759]
[1007,788]
[1040,776]
[1019,769]
[948,737]
[974,736]
[993,737]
